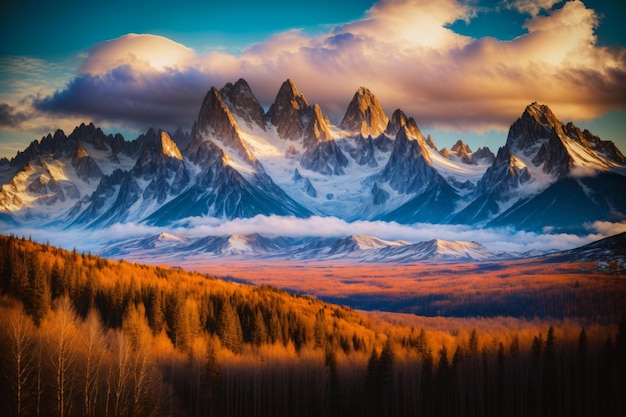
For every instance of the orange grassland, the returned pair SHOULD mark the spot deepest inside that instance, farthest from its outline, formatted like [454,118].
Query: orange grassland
[460,282]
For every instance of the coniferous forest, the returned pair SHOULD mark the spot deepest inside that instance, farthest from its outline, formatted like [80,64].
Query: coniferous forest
[85,336]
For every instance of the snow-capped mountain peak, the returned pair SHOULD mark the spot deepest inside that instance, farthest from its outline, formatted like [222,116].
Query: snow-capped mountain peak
[216,123]
[242,102]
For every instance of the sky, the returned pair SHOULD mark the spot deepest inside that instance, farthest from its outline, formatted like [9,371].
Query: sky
[463,69]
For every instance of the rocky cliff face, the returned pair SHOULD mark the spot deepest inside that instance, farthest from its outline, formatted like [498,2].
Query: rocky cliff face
[216,123]
[325,158]
[295,119]
[85,166]
[506,173]
[483,156]
[161,162]
[528,132]
[365,115]
[409,169]
[462,151]
[400,120]
[242,102]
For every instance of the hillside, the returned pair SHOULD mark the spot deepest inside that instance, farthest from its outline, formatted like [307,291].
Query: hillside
[82,335]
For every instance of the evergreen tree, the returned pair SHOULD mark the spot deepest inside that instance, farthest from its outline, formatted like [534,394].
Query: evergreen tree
[319,330]
[385,378]
[373,398]
[443,382]
[333,384]
[259,335]
[229,328]
[39,295]
[275,329]
[549,383]
[581,375]
[427,384]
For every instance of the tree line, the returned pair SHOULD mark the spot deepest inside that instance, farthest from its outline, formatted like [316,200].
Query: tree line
[85,336]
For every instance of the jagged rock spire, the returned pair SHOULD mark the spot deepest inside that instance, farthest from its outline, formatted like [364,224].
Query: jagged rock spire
[295,119]
[242,102]
[365,115]
[215,121]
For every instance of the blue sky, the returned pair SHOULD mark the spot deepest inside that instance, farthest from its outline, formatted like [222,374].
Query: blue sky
[462,69]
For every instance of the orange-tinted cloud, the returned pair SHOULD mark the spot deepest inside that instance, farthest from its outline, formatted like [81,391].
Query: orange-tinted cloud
[402,50]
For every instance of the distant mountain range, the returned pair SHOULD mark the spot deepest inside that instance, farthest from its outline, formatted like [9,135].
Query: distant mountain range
[240,161]
[167,247]
[609,254]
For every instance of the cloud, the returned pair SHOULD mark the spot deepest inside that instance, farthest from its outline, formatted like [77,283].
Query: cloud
[494,239]
[10,117]
[532,7]
[402,50]
[148,51]
[139,99]
[605,229]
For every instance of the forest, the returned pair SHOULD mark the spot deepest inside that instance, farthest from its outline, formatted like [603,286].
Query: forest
[86,336]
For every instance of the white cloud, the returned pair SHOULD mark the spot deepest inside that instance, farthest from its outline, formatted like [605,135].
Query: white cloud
[149,51]
[605,229]
[497,240]
[532,7]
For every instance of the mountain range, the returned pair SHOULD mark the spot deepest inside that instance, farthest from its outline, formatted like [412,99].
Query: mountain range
[178,248]
[240,161]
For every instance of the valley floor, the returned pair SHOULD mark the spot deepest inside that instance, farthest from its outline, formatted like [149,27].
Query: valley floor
[524,288]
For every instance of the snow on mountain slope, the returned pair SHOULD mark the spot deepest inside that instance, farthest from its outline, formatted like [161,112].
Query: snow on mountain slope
[351,248]
[548,177]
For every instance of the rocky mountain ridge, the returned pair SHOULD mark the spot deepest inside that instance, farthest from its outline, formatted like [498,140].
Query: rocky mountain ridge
[254,246]
[239,162]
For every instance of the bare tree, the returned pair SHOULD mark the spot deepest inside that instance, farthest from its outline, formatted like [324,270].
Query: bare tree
[93,343]
[61,341]
[119,378]
[19,333]
[136,327]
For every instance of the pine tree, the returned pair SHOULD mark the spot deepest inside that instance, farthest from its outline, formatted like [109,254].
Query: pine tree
[443,381]
[39,295]
[372,385]
[549,383]
[259,334]
[386,380]
[427,383]
[581,376]
[229,328]
[319,330]
[275,328]
[334,403]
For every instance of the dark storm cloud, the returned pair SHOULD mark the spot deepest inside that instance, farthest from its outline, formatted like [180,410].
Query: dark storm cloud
[11,117]
[139,99]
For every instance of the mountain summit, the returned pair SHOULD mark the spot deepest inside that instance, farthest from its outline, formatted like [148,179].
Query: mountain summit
[295,119]
[549,176]
[365,115]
